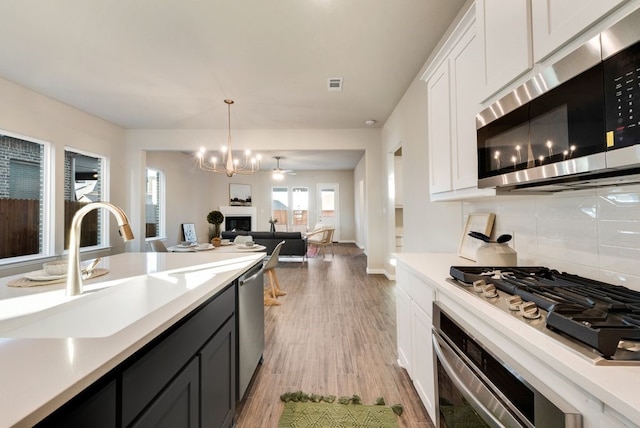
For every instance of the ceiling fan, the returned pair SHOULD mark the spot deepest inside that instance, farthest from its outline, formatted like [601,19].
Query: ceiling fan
[277,172]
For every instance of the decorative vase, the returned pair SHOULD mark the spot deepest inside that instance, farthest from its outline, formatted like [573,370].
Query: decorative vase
[214,230]
[273,227]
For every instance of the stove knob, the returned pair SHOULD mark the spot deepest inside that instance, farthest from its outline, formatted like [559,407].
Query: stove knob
[514,303]
[489,291]
[477,285]
[530,310]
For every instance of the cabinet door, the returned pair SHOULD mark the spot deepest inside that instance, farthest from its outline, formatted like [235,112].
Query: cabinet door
[403,325]
[218,377]
[555,22]
[177,405]
[423,369]
[152,370]
[504,32]
[439,129]
[91,409]
[465,83]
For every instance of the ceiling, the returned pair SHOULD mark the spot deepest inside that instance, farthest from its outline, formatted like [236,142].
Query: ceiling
[169,64]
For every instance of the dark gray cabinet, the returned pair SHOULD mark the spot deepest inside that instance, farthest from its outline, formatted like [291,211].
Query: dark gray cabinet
[186,377]
[178,404]
[93,408]
[217,372]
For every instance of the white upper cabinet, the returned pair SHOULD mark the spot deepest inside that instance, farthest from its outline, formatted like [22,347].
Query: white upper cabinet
[439,129]
[454,91]
[504,35]
[556,21]
[465,84]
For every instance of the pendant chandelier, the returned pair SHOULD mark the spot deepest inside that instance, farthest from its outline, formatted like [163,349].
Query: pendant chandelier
[224,162]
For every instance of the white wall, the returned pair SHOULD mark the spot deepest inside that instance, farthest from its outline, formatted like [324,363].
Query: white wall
[30,114]
[140,142]
[428,227]
[192,193]
[360,202]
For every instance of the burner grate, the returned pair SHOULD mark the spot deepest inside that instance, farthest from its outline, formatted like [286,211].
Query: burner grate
[595,313]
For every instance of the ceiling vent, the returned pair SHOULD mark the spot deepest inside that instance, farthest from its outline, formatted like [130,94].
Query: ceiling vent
[334,84]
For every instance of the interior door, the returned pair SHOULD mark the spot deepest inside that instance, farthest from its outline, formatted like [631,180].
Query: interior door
[328,209]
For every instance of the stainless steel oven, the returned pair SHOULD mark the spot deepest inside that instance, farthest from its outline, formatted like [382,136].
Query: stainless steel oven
[476,389]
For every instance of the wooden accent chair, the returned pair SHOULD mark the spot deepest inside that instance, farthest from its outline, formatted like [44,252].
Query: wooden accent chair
[158,247]
[321,238]
[270,270]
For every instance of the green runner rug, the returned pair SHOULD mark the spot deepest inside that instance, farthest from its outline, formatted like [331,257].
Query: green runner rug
[324,415]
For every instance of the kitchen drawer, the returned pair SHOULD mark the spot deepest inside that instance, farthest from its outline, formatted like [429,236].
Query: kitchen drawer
[422,294]
[165,357]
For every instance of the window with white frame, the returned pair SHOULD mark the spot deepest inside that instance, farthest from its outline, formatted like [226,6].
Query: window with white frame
[84,183]
[154,204]
[300,208]
[290,207]
[22,197]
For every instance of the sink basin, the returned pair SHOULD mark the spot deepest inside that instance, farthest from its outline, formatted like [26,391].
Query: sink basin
[103,309]
[97,314]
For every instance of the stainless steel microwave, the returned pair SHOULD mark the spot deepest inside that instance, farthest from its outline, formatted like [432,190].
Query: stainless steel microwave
[574,125]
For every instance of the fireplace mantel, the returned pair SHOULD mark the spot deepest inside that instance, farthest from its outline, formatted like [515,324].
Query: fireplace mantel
[241,211]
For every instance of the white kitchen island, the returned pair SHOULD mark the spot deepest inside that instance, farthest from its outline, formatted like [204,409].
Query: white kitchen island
[40,373]
[606,396]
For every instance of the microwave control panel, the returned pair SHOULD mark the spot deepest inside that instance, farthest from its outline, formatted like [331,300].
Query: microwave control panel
[622,98]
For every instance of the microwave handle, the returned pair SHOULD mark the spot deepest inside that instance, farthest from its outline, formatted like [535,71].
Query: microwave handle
[461,366]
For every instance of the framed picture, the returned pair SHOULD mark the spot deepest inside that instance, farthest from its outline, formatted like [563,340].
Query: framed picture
[239,195]
[476,222]
[189,232]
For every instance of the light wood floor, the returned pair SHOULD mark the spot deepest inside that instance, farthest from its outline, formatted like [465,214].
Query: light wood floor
[335,333]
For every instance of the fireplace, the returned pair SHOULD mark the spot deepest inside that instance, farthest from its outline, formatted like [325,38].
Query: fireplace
[244,218]
[237,223]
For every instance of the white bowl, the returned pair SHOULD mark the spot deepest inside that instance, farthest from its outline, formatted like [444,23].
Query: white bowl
[249,243]
[57,267]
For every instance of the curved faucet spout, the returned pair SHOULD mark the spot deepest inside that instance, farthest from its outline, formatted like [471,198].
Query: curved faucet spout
[74,275]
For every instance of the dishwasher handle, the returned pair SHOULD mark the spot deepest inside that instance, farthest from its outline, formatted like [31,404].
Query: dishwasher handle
[243,280]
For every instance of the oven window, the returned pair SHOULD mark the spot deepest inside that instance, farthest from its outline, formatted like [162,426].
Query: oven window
[502,377]
[454,409]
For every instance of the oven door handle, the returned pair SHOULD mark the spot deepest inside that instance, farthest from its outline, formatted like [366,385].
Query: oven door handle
[449,359]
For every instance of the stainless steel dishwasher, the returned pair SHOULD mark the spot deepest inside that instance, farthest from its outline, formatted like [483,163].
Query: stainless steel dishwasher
[250,328]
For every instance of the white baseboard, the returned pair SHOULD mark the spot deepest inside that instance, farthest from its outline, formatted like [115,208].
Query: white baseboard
[381,272]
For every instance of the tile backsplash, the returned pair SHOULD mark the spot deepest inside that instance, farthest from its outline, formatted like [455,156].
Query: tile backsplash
[593,233]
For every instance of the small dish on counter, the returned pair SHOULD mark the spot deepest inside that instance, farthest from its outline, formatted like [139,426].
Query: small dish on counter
[204,247]
[42,275]
[187,244]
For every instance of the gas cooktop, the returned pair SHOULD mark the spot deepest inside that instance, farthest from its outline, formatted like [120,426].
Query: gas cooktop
[602,319]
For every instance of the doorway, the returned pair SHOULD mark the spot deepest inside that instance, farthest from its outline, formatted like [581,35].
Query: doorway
[328,207]
[398,199]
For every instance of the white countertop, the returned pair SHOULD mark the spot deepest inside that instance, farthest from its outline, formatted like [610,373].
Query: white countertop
[39,375]
[615,386]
